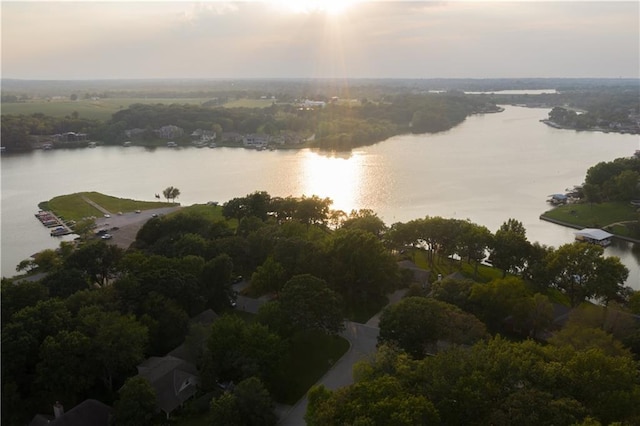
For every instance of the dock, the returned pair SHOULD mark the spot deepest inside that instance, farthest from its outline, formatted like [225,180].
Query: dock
[58,226]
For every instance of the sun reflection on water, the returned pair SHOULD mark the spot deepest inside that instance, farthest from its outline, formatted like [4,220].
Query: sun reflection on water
[337,177]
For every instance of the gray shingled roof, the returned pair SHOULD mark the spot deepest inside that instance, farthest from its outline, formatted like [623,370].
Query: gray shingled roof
[89,412]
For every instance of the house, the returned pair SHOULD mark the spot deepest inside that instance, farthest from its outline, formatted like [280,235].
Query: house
[174,380]
[69,137]
[88,412]
[203,136]
[419,276]
[175,376]
[255,141]
[169,132]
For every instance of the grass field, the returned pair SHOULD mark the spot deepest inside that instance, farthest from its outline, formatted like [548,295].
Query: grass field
[103,109]
[74,207]
[593,215]
[310,356]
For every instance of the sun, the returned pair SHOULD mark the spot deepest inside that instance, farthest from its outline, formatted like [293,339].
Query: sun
[329,7]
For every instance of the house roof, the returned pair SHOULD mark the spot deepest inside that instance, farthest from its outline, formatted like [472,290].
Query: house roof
[420,275]
[88,412]
[594,234]
[559,196]
[167,375]
[175,376]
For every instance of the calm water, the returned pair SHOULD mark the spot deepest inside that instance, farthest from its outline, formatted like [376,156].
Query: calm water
[488,169]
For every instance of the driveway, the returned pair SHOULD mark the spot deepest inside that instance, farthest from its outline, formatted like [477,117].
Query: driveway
[363,339]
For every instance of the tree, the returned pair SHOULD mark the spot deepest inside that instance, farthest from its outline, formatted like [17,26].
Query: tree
[136,404]
[237,350]
[15,296]
[216,281]
[171,193]
[98,260]
[366,220]
[501,298]
[269,277]
[66,369]
[166,320]
[474,241]
[379,401]
[580,271]
[414,325]
[361,269]
[249,403]
[118,342]
[510,247]
[65,282]
[455,292]
[313,210]
[310,304]
[610,280]
[23,335]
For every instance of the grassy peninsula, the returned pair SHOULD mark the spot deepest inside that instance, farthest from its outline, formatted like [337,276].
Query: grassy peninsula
[79,205]
[619,218]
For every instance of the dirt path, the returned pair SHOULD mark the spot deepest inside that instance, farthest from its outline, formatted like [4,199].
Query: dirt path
[96,205]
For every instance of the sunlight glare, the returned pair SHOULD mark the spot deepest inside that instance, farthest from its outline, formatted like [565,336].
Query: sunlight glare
[336,177]
[330,7]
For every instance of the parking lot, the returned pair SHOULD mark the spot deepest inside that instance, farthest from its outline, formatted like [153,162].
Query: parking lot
[128,224]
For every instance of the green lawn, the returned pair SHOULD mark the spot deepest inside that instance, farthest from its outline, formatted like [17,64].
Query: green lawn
[103,109]
[213,213]
[74,207]
[447,266]
[590,215]
[249,103]
[310,356]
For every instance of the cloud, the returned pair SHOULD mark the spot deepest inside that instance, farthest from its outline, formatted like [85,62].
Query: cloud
[369,39]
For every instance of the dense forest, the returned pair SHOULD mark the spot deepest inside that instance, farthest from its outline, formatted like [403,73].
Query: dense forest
[98,311]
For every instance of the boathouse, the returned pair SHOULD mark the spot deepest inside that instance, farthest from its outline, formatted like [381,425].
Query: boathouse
[557,199]
[594,236]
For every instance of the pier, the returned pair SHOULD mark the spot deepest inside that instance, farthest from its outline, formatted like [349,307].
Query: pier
[58,226]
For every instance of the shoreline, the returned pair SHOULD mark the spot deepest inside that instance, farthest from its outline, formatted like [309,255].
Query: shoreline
[574,226]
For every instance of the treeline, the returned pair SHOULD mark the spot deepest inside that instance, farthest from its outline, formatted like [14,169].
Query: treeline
[581,382]
[615,180]
[336,127]
[617,115]
[17,131]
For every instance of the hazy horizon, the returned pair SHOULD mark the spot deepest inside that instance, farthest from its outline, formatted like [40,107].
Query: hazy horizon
[319,39]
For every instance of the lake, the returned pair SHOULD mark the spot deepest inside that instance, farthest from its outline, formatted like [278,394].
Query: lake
[488,169]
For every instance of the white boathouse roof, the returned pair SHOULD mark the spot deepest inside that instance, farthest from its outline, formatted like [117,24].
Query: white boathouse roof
[594,234]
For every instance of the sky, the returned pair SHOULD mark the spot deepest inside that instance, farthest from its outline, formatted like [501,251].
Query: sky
[320,38]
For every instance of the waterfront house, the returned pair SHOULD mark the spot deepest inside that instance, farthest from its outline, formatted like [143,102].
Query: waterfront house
[255,141]
[169,132]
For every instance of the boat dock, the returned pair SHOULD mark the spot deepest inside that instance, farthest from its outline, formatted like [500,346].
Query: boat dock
[58,226]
